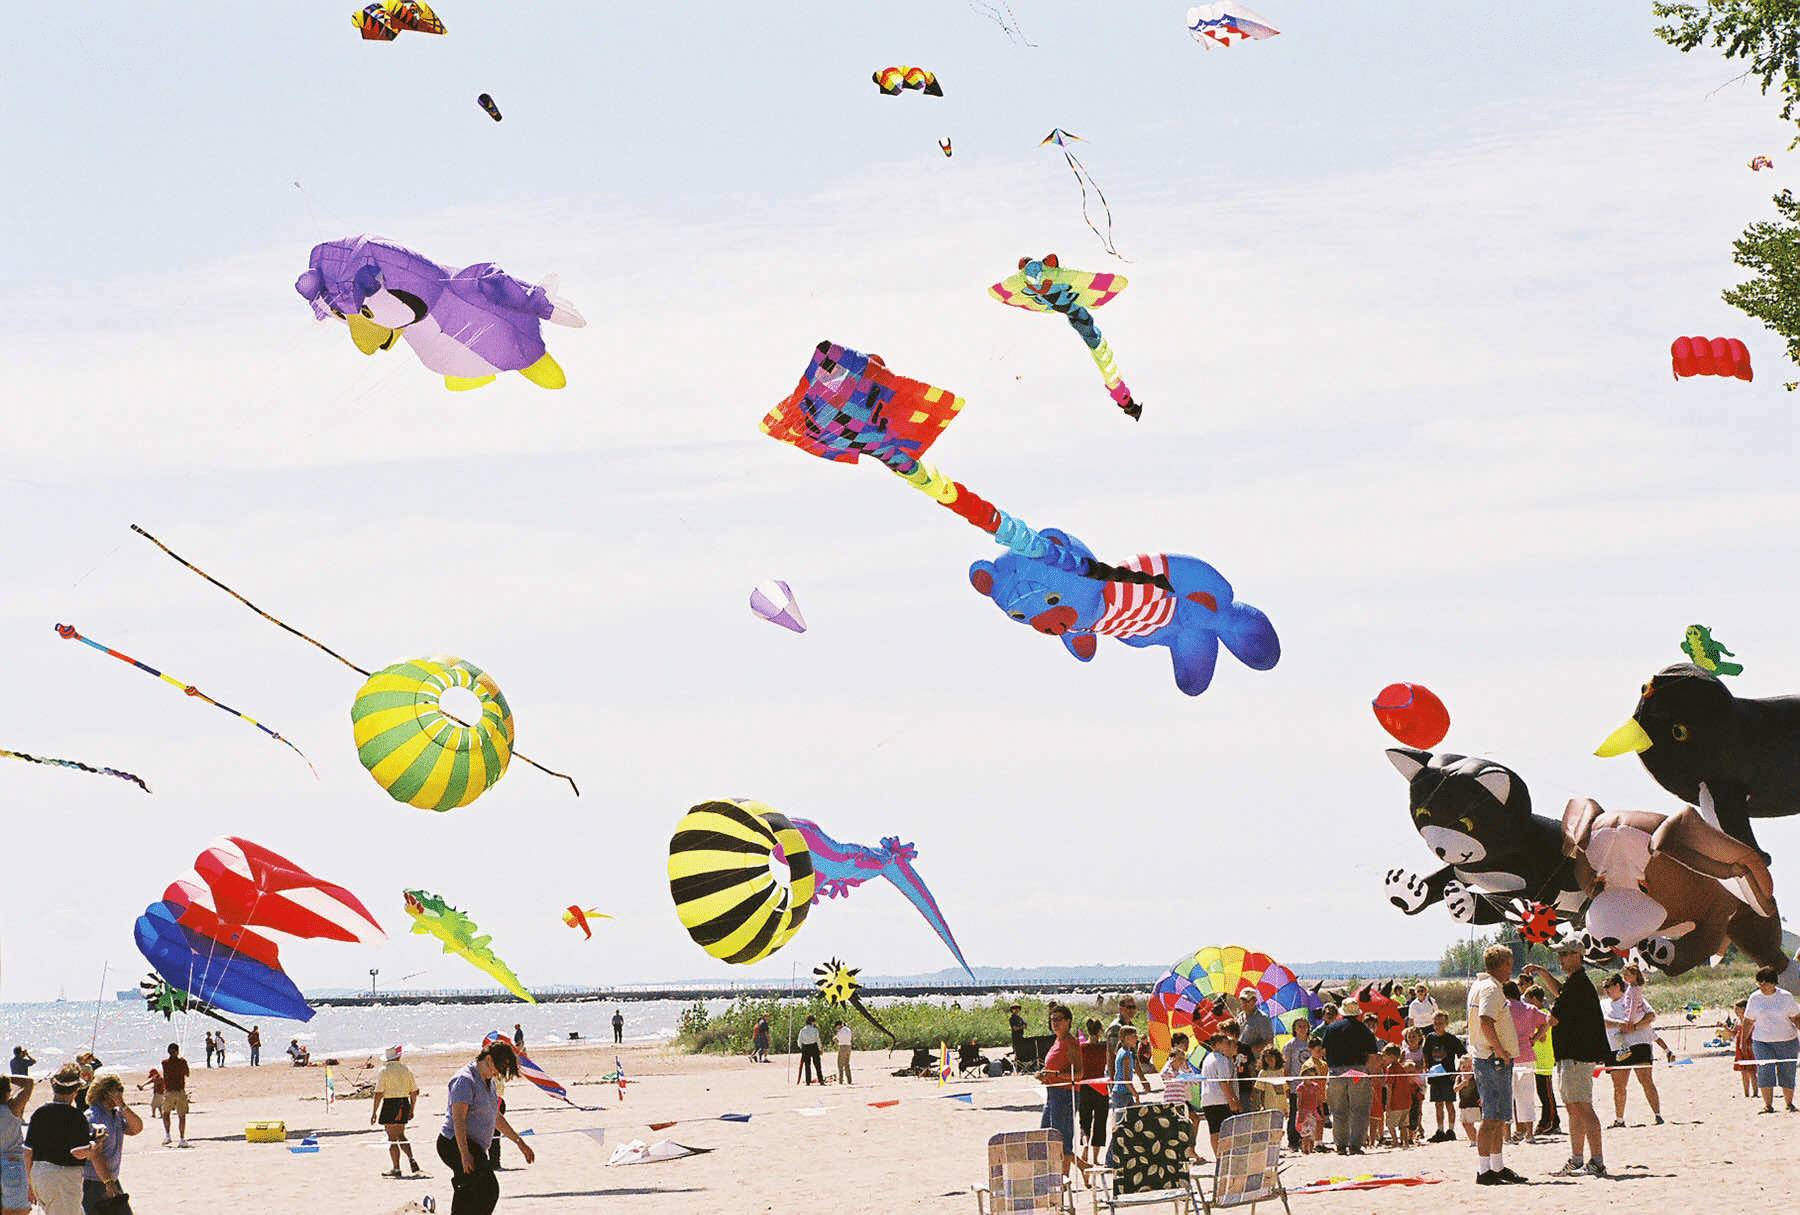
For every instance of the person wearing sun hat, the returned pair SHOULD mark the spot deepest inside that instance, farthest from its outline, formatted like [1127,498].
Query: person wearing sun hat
[396,1094]
[59,1142]
[1349,1047]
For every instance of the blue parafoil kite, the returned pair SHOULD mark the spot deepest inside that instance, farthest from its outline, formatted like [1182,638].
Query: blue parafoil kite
[467,325]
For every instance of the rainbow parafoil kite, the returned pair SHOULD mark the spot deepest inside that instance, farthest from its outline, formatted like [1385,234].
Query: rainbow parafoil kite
[1759,163]
[435,917]
[386,20]
[893,80]
[1042,285]
[467,325]
[1710,356]
[725,890]
[840,868]
[1192,997]
[1412,713]
[199,938]
[1223,24]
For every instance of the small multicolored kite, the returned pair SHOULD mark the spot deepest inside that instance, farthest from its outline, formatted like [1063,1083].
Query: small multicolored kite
[68,632]
[893,80]
[774,602]
[1084,179]
[487,103]
[1042,285]
[76,764]
[577,916]
[386,20]
[944,147]
[840,868]
[539,1078]
[435,917]
[1759,163]
[1223,24]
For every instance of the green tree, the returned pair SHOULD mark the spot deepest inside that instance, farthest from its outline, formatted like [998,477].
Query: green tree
[1766,35]
[1464,957]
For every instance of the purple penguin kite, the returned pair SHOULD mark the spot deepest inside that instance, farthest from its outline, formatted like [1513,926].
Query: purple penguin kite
[467,325]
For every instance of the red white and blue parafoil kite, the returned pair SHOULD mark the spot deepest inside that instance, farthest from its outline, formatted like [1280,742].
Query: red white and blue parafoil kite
[199,937]
[1223,24]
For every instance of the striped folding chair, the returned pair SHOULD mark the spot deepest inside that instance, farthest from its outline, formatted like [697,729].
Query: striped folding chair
[1249,1166]
[1025,1175]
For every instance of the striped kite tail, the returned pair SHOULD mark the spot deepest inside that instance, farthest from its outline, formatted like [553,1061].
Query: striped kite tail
[1103,359]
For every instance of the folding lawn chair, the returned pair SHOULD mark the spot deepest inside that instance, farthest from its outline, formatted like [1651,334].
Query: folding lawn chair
[970,1061]
[1148,1160]
[1249,1166]
[1025,1174]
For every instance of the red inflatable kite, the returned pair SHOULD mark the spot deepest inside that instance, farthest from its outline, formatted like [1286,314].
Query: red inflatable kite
[1710,356]
[1413,714]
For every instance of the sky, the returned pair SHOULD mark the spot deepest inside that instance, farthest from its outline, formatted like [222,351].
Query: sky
[1402,285]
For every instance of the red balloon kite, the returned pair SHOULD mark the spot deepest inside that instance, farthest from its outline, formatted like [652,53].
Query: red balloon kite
[1710,356]
[1413,714]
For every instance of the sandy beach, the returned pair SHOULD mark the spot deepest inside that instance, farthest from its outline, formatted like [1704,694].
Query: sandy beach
[810,1149]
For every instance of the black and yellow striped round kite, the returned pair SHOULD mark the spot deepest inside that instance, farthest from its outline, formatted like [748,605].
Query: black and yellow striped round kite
[722,877]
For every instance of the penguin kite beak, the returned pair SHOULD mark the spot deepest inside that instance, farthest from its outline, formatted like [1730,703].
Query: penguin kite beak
[368,336]
[1629,737]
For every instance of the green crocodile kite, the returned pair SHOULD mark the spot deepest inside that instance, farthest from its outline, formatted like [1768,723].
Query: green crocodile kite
[1706,653]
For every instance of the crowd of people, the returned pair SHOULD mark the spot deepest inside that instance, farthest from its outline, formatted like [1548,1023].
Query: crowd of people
[1526,1042]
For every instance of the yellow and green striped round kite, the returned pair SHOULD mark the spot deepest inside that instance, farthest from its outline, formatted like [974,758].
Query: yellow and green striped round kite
[416,751]
[723,882]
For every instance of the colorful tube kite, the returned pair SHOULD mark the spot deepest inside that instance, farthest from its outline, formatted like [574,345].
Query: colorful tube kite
[386,20]
[76,764]
[467,325]
[432,916]
[69,633]
[1710,356]
[840,868]
[1042,285]
[893,80]
[728,898]
[837,986]
[414,750]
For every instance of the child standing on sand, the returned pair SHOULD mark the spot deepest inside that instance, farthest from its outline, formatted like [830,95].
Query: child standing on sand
[1312,1094]
[1743,1055]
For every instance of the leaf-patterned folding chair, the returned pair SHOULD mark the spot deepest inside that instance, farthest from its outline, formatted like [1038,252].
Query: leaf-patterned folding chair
[1025,1175]
[1249,1167]
[1149,1160]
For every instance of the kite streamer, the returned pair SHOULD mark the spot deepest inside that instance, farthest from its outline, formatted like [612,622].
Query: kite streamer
[1001,14]
[365,673]
[728,898]
[1084,179]
[1042,285]
[69,633]
[77,764]
[849,404]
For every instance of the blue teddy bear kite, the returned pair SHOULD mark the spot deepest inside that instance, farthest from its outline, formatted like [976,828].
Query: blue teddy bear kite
[1187,607]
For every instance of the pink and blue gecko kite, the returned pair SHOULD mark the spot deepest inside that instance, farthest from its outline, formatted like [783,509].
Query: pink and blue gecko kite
[839,867]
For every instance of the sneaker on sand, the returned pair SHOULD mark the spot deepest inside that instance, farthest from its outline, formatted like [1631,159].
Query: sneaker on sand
[1595,1169]
[1488,1179]
[1509,1177]
[167,1140]
[1573,1168]
[1659,1120]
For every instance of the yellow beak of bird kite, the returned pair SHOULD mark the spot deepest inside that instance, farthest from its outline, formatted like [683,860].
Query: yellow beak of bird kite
[1629,737]
[368,336]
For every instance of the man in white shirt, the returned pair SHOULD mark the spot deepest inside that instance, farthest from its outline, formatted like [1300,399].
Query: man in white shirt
[842,1038]
[1494,1043]
[1423,1008]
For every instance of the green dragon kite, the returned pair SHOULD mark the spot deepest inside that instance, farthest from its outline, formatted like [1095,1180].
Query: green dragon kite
[435,917]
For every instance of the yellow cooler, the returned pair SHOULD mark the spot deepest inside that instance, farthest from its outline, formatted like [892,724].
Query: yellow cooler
[265,1132]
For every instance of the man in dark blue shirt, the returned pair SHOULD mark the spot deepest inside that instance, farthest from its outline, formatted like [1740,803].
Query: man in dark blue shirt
[1350,1046]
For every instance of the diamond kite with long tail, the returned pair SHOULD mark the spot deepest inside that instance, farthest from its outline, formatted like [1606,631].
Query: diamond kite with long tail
[849,405]
[839,868]
[431,768]
[69,633]
[1042,285]
[1084,179]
